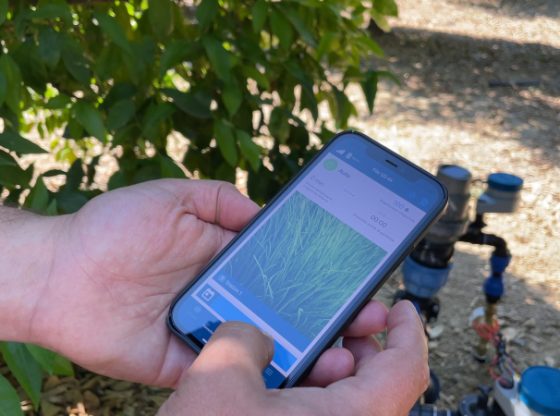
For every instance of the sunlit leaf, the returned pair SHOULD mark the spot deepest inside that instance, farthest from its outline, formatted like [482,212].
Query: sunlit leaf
[386,7]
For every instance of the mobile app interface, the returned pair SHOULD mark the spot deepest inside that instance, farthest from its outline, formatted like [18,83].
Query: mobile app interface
[298,268]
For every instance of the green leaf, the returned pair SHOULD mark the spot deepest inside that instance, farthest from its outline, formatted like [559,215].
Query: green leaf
[194,104]
[278,124]
[120,114]
[206,12]
[390,76]
[74,176]
[386,7]
[3,10]
[169,168]
[11,174]
[68,202]
[50,46]
[380,21]
[3,88]
[90,119]
[326,44]
[259,11]
[369,87]
[301,27]
[369,45]
[91,169]
[53,11]
[232,96]
[260,79]
[14,142]
[52,209]
[24,368]
[175,53]
[226,141]
[9,399]
[160,15]
[220,59]
[249,149]
[38,199]
[282,28]
[74,61]
[59,102]
[343,108]
[12,74]
[114,31]
[51,362]
[154,119]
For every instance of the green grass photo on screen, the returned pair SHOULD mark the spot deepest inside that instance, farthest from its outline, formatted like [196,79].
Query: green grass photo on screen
[304,263]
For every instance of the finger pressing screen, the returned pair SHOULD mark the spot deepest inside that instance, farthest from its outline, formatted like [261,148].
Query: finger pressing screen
[236,355]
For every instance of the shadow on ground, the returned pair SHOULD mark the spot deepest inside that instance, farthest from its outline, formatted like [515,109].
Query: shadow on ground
[450,78]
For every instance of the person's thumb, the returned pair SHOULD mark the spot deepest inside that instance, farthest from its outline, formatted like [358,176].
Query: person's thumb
[236,353]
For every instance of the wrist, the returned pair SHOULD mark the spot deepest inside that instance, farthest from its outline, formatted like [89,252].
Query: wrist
[28,244]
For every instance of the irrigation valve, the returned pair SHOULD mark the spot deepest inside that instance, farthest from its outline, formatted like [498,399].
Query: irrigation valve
[427,268]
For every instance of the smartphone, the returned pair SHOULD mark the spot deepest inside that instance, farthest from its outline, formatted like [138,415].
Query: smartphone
[312,258]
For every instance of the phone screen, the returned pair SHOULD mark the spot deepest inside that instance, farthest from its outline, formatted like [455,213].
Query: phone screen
[327,238]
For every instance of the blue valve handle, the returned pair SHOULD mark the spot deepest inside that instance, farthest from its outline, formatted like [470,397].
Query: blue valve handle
[494,284]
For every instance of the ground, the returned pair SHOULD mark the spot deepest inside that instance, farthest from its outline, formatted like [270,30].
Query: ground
[449,55]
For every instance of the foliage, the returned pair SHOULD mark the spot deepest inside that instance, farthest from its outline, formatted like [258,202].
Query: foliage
[241,81]
[28,364]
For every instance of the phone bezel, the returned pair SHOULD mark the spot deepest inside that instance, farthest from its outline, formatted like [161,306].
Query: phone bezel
[352,310]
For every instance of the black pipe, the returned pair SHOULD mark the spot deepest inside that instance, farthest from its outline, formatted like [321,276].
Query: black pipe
[474,235]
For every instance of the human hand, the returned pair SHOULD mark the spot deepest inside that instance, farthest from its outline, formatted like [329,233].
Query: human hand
[119,262]
[226,378]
